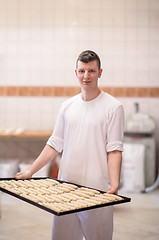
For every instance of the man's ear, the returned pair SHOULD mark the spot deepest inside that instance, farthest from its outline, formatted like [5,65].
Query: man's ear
[76,72]
[100,72]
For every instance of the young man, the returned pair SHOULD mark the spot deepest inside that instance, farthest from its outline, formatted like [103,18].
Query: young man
[89,133]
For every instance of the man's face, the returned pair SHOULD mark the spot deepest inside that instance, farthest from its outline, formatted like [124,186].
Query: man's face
[88,74]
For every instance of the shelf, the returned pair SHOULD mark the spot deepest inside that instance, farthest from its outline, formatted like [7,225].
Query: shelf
[29,134]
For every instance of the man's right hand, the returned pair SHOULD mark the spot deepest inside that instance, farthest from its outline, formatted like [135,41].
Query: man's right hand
[23,175]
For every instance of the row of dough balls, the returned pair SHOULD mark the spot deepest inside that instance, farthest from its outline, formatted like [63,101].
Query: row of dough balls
[30,183]
[95,200]
[58,196]
[47,186]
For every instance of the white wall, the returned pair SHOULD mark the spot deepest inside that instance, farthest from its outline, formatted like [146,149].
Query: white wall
[41,39]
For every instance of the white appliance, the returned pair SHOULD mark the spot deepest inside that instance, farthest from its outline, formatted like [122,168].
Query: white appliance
[132,175]
[140,130]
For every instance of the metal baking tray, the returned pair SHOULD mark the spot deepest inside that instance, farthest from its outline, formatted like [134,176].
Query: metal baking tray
[124,199]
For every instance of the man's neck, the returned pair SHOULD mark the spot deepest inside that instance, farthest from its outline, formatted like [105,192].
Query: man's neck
[90,95]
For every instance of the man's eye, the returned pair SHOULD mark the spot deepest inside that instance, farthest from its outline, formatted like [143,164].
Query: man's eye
[92,70]
[81,71]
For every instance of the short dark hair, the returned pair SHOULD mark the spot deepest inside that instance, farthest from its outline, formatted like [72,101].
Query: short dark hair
[88,56]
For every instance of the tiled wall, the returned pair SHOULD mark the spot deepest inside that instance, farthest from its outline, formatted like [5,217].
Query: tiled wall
[41,39]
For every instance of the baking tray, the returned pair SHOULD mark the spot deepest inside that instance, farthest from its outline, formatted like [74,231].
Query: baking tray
[124,199]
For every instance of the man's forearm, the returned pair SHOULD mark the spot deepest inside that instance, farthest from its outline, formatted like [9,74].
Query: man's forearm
[46,156]
[114,169]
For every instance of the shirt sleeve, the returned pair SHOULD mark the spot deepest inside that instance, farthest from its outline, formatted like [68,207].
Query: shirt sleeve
[56,139]
[115,130]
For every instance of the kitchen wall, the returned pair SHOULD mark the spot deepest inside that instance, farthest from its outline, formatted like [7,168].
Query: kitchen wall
[41,39]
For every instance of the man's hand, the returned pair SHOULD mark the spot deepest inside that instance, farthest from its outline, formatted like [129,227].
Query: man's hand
[113,190]
[23,175]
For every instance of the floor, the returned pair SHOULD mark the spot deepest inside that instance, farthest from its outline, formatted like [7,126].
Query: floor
[136,220]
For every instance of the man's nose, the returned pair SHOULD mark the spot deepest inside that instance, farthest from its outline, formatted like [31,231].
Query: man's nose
[86,74]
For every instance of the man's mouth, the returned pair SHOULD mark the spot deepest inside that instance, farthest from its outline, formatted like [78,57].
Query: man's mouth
[86,82]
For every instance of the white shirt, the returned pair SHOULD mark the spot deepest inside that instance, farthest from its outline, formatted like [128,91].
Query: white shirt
[85,131]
